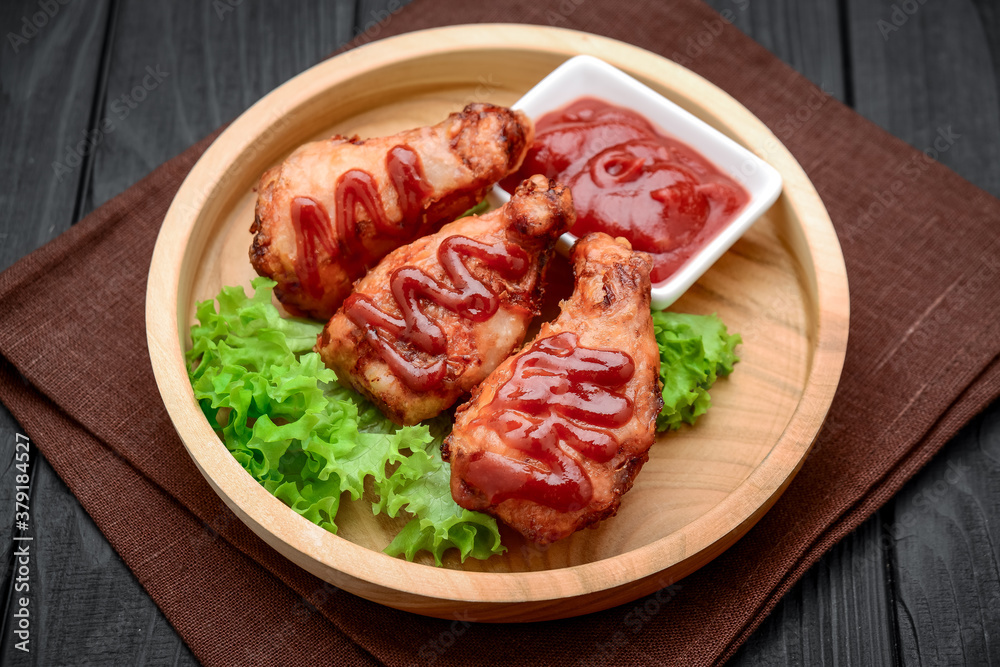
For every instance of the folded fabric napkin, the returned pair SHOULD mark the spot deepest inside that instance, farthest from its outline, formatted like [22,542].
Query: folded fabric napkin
[922,360]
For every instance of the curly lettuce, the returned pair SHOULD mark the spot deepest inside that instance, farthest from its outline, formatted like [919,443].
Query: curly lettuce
[308,440]
[422,486]
[695,350]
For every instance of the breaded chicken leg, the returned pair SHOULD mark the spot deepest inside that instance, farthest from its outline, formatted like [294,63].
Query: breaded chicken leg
[434,318]
[334,208]
[554,437]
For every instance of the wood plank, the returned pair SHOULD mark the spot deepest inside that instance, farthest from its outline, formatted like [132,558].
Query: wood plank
[48,88]
[805,35]
[839,613]
[945,540]
[927,73]
[932,72]
[176,71]
[373,15]
[188,67]
[49,62]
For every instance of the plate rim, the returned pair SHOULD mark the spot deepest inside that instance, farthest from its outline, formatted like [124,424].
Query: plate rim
[380,577]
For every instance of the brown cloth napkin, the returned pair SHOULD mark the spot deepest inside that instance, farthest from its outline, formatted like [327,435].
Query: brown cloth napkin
[922,359]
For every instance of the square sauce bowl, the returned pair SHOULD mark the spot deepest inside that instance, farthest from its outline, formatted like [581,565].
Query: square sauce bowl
[590,77]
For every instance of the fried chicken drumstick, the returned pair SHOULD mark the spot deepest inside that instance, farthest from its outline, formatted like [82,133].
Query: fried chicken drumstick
[555,436]
[434,318]
[334,208]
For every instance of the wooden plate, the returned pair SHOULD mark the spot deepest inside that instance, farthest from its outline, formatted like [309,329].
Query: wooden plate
[783,286]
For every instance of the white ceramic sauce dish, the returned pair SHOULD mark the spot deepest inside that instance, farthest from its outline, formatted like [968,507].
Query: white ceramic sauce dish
[586,76]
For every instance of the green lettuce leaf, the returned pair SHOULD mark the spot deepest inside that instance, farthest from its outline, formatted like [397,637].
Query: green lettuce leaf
[307,439]
[422,486]
[695,350]
[478,209]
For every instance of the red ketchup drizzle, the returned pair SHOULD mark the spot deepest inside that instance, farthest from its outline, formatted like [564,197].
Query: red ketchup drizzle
[559,394]
[630,180]
[357,188]
[312,229]
[415,332]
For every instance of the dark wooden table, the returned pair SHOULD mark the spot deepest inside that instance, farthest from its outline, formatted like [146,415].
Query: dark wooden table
[96,94]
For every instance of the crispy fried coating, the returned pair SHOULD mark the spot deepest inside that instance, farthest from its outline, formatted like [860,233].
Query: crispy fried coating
[554,437]
[435,317]
[332,209]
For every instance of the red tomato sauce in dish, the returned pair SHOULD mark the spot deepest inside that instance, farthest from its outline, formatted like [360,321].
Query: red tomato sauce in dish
[559,392]
[628,179]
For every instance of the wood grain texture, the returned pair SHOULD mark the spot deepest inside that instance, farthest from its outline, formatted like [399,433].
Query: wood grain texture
[806,35]
[49,82]
[179,70]
[707,486]
[945,539]
[930,80]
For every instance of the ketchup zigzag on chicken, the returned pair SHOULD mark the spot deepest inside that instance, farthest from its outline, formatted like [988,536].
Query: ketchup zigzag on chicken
[551,440]
[356,188]
[559,393]
[435,317]
[312,235]
[334,208]
[468,297]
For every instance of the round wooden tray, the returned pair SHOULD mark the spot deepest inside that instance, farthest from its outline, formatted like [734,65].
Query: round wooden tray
[783,286]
